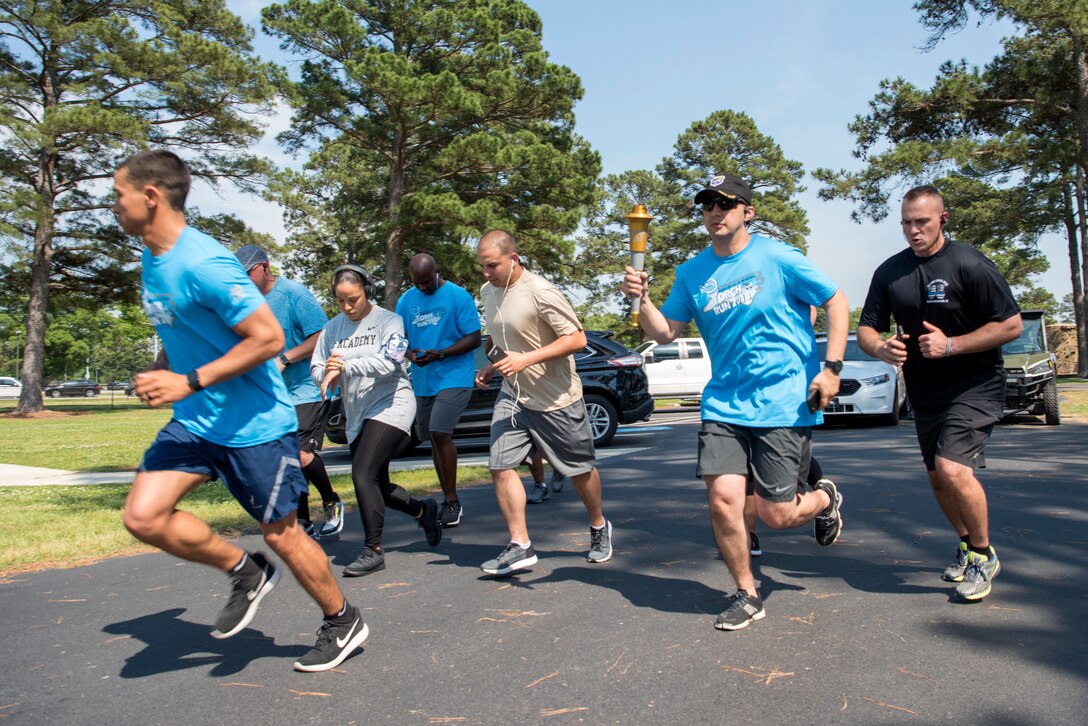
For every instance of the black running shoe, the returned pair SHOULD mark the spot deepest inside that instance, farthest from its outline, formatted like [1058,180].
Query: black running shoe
[828,523]
[743,609]
[368,561]
[510,559]
[430,522]
[250,587]
[450,514]
[334,644]
[753,545]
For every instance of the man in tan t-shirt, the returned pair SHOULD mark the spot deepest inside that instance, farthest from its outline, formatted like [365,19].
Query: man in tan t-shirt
[534,333]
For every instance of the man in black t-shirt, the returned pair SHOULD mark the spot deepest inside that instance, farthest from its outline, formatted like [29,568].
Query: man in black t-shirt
[954,310]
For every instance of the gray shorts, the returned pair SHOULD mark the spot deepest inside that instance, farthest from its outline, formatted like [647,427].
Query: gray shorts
[562,437]
[441,412]
[775,458]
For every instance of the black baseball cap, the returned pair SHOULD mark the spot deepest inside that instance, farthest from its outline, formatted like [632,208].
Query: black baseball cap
[250,256]
[725,185]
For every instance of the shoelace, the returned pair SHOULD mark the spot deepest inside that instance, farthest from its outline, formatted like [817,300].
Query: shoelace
[510,548]
[596,538]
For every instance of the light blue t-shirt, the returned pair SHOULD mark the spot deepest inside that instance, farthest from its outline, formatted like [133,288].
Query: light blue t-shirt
[434,322]
[193,294]
[753,310]
[300,315]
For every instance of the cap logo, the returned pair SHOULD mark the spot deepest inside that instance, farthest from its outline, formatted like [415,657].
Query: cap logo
[717,181]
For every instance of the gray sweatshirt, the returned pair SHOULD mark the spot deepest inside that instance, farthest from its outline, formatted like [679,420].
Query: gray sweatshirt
[374,382]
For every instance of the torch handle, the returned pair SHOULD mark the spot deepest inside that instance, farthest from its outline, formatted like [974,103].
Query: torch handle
[638,262]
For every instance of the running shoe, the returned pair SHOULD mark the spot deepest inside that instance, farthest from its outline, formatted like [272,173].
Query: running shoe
[753,545]
[308,527]
[954,572]
[743,609]
[557,482]
[257,578]
[537,493]
[368,562]
[600,543]
[828,523]
[513,557]
[430,523]
[450,514]
[334,520]
[335,642]
[976,578]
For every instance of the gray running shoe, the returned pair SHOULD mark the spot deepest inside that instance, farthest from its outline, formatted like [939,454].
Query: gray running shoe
[976,578]
[537,493]
[954,572]
[511,558]
[250,587]
[450,514]
[557,481]
[828,523]
[368,561]
[743,609]
[600,543]
[753,545]
[334,520]
[335,642]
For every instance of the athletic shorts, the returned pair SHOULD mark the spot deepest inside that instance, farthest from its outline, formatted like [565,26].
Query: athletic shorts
[958,433]
[311,424]
[814,474]
[774,459]
[266,479]
[562,436]
[440,412]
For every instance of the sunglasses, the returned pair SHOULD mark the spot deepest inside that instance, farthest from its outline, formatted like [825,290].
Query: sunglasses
[722,203]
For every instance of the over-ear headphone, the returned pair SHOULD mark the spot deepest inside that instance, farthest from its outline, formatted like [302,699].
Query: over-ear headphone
[368,286]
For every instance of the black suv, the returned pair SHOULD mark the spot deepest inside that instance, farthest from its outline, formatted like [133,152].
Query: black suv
[89,389]
[613,382]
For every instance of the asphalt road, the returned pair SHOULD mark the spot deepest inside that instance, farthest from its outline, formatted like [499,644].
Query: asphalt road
[862,632]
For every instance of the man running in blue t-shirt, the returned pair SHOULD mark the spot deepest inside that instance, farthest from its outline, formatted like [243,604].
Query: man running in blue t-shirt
[232,417]
[750,297]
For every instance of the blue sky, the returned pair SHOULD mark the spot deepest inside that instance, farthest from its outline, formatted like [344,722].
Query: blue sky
[802,69]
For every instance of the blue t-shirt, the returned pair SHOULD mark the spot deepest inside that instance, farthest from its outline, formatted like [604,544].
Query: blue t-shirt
[752,309]
[193,294]
[300,315]
[434,322]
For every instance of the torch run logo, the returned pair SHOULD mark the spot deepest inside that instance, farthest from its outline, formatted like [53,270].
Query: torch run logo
[742,292]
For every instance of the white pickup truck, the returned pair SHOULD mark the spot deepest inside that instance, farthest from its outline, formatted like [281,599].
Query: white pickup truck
[680,369]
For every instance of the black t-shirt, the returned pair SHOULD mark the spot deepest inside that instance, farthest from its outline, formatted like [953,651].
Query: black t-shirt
[958,290]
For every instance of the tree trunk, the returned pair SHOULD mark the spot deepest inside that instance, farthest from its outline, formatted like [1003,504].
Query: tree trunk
[394,242]
[1069,217]
[1080,298]
[30,399]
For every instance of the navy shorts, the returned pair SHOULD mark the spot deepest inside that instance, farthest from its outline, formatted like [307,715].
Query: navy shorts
[266,479]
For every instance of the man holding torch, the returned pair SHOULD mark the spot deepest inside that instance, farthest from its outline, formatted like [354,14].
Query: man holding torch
[750,297]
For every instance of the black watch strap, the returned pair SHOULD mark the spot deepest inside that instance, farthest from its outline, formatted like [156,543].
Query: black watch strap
[283,359]
[835,366]
[194,382]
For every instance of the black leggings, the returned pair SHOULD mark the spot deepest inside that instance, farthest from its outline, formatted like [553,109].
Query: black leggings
[371,451]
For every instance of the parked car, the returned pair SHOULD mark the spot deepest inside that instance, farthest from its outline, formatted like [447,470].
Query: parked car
[10,387]
[867,386]
[613,382]
[89,389]
[118,386]
[1031,371]
[680,369]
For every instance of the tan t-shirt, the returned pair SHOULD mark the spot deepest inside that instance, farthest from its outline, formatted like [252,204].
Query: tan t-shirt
[526,316]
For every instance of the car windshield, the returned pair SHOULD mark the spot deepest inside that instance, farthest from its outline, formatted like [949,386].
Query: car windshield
[853,351]
[1030,340]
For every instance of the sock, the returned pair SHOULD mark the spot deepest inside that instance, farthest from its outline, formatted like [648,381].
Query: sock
[984,551]
[316,474]
[966,539]
[241,563]
[414,503]
[524,546]
[342,615]
[246,566]
[303,511]
[598,529]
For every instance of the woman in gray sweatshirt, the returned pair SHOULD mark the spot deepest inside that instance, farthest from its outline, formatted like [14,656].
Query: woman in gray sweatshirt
[362,350]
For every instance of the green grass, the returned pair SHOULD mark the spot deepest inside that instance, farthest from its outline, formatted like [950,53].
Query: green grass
[62,526]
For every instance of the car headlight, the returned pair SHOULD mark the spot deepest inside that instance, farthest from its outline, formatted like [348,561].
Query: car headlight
[876,380]
[1040,367]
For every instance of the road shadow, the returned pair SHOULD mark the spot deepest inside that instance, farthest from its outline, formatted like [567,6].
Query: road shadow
[173,644]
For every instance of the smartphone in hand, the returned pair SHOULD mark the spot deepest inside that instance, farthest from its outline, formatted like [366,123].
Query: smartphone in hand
[495,354]
[814,400]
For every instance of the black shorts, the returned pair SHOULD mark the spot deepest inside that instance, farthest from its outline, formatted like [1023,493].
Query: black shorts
[311,425]
[957,433]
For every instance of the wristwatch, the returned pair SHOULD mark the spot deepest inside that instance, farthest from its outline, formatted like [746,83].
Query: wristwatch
[283,359]
[194,382]
[835,366]
[441,355]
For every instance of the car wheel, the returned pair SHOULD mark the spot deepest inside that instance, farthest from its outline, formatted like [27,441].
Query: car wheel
[1050,404]
[603,419]
[54,394]
[130,392]
[90,393]
[892,419]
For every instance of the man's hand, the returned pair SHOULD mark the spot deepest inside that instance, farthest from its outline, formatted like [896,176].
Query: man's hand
[484,376]
[827,383]
[893,350]
[634,282]
[422,357]
[934,343]
[512,363]
[159,388]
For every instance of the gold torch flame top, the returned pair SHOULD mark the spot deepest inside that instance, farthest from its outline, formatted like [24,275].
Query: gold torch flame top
[639,217]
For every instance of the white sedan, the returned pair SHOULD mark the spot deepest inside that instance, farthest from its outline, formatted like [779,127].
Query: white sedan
[10,387]
[867,386]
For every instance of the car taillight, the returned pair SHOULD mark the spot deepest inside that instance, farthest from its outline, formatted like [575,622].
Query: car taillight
[633,360]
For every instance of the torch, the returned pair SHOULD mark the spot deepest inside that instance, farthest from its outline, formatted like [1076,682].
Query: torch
[639,223]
